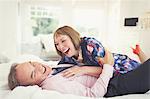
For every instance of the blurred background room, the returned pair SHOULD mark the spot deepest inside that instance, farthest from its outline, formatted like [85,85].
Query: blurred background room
[27,26]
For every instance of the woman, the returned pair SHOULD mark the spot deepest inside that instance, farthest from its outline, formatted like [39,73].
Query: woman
[89,53]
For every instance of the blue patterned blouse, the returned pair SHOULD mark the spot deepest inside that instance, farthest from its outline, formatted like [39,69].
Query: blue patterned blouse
[92,49]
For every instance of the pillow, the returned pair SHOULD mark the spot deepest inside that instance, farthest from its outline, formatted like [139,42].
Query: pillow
[3,59]
[27,57]
[5,67]
[4,70]
[48,42]
[49,51]
[31,46]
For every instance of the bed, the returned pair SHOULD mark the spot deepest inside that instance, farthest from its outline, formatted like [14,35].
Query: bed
[35,92]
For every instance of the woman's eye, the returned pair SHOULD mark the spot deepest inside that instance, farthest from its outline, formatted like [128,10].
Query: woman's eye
[63,41]
[56,44]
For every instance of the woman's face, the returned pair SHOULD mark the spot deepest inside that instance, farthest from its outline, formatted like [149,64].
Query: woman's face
[65,45]
[31,73]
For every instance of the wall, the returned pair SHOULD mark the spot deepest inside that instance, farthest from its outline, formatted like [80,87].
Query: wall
[135,8]
[116,37]
[8,28]
[121,38]
[66,18]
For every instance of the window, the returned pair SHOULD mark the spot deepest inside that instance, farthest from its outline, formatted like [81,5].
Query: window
[44,20]
[38,20]
[88,21]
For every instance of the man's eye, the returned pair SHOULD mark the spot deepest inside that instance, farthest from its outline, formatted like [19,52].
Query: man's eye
[33,74]
[33,64]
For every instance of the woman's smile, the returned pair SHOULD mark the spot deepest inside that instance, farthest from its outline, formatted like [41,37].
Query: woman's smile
[65,45]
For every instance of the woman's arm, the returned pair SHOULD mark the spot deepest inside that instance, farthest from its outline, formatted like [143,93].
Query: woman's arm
[107,59]
[90,70]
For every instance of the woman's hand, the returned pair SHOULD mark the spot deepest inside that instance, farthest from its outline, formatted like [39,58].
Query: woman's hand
[76,70]
[80,70]
[109,59]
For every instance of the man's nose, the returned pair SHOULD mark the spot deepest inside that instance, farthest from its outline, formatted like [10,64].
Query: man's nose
[38,68]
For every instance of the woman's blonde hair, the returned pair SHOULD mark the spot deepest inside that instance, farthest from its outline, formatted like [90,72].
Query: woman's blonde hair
[12,81]
[69,31]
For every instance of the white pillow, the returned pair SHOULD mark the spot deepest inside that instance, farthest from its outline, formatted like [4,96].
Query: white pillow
[4,70]
[48,42]
[5,67]
[25,58]
[3,59]
[29,57]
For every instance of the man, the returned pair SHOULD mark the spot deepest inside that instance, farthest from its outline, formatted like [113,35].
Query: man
[34,73]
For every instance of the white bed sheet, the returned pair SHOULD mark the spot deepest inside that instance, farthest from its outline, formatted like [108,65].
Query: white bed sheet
[35,92]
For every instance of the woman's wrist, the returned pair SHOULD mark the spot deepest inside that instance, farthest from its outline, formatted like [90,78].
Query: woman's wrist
[91,70]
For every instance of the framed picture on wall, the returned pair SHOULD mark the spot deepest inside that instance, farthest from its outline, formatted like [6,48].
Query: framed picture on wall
[131,21]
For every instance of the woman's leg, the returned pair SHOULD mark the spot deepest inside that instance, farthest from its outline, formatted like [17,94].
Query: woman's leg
[138,51]
[136,81]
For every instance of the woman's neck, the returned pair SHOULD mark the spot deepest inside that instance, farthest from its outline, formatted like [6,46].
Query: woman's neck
[78,56]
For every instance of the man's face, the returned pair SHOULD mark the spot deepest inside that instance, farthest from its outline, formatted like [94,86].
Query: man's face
[31,73]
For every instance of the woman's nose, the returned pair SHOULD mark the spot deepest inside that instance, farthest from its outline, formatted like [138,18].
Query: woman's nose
[61,47]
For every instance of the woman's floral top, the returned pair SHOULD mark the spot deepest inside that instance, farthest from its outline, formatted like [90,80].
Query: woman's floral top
[92,50]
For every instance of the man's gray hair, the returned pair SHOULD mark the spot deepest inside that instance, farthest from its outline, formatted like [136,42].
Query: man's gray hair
[12,81]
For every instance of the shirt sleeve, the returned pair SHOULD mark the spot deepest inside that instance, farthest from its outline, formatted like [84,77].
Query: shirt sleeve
[100,87]
[63,85]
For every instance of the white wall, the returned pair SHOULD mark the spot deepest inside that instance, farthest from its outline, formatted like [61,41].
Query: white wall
[8,28]
[120,37]
[114,34]
[133,35]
